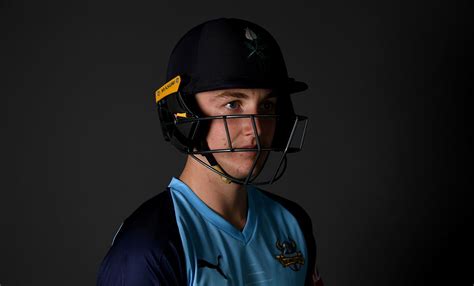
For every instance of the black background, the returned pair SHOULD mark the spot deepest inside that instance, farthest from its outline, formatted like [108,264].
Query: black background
[386,171]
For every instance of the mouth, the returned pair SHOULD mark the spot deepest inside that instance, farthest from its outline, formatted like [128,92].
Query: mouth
[248,147]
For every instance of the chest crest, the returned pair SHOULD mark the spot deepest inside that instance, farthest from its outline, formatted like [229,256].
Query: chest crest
[289,255]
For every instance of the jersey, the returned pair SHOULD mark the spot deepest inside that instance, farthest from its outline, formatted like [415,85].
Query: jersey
[176,239]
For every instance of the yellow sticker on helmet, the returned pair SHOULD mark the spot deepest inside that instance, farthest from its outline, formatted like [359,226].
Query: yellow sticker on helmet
[168,88]
[181,114]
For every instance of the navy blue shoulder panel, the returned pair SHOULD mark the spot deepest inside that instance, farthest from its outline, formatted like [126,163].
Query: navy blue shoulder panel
[306,226]
[147,249]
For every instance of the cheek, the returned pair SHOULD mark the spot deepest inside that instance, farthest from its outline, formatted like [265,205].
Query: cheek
[268,131]
[217,136]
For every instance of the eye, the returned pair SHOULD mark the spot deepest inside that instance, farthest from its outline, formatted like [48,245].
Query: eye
[268,106]
[233,105]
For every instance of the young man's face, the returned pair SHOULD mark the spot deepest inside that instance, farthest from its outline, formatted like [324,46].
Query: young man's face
[241,130]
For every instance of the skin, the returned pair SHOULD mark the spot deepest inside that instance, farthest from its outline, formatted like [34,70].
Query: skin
[230,200]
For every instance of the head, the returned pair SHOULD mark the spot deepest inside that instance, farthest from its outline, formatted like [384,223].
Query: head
[227,101]
[244,135]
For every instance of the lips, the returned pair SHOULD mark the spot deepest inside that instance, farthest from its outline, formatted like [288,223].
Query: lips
[248,147]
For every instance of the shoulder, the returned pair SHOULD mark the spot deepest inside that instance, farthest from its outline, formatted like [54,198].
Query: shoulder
[294,208]
[151,222]
[147,249]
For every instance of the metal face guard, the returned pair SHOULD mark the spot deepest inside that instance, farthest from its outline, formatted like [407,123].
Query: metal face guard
[284,147]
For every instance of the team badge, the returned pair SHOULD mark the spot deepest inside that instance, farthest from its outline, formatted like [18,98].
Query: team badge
[289,255]
[253,44]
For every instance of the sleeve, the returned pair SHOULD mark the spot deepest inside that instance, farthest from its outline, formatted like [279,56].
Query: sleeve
[142,266]
[147,249]
[316,280]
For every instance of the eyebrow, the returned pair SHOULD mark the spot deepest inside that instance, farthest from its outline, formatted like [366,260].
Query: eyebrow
[239,95]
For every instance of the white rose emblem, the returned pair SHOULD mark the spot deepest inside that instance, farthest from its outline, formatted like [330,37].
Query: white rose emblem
[250,35]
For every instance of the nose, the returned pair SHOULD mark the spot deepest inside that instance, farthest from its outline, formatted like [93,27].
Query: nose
[252,126]
[257,129]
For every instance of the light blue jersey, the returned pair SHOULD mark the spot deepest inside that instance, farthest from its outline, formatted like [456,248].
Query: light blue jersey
[175,239]
[270,250]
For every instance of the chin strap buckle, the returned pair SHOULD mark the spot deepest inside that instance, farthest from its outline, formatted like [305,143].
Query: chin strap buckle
[224,179]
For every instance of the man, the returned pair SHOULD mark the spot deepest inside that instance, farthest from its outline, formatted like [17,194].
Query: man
[226,103]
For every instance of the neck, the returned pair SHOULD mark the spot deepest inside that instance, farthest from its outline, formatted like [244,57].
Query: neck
[228,200]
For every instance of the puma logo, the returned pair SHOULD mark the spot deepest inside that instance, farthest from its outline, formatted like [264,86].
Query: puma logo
[204,263]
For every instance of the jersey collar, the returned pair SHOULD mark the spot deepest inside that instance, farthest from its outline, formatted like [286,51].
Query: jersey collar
[213,217]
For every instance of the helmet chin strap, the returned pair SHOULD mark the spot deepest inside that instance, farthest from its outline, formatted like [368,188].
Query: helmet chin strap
[212,161]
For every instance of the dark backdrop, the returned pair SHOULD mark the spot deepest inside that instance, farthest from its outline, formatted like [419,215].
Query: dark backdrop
[386,171]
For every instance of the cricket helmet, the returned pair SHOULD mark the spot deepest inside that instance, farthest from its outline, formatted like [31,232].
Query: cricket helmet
[223,54]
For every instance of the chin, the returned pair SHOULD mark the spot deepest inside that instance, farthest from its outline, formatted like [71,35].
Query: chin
[238,165]
[240,168]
